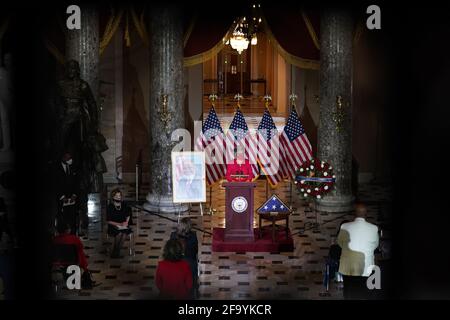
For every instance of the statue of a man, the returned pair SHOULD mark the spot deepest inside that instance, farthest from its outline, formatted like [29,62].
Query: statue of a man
[79,113]
[79,130]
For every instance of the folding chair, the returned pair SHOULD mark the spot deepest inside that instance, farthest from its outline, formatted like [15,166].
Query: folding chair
[130,239]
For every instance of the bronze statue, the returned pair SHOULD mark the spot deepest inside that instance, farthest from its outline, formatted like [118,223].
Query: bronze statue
[79,114]
[79,131]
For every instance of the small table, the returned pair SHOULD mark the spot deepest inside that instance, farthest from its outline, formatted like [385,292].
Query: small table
[274,217]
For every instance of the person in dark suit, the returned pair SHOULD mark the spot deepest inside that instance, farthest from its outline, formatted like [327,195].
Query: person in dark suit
[67,191]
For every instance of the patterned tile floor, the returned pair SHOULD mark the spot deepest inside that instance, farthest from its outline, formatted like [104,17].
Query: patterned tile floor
[233,275]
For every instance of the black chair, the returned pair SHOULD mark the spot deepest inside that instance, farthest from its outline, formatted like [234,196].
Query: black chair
[131,248]
[63,256]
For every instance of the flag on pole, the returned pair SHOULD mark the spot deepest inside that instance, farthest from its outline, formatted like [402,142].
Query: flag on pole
[211,140]
[238,134]
[295,144]
[269,149]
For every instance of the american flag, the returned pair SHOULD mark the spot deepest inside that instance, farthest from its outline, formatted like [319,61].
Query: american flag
[268,149]
[274,204]
[295,144]
[211,140]
[238,134]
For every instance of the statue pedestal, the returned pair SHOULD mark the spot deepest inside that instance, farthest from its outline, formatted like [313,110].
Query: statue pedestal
[335,204]
[164,204]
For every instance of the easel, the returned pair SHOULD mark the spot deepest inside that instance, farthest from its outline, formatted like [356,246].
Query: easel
[211,210]
[189,215]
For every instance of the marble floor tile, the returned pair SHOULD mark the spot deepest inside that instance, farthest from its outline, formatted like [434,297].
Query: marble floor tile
[229,275]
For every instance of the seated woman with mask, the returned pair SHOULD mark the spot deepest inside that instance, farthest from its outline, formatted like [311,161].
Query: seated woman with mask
[240,170]
[118,217]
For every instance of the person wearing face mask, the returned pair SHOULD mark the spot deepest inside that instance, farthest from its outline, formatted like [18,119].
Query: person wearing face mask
[67,192]
[118,216]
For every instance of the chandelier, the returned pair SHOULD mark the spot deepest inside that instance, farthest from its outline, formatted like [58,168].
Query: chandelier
[244,33]
[238,40]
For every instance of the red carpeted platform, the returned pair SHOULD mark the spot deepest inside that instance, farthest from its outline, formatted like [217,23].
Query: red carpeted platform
[265,244]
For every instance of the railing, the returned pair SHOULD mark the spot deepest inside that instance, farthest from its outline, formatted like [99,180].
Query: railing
[138,173]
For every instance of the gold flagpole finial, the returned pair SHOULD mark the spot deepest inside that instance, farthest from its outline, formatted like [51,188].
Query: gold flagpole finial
[212,98]
[292,98]
[238,97]
[267,99]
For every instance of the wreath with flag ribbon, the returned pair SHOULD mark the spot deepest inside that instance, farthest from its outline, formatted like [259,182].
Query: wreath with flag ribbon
[315,178]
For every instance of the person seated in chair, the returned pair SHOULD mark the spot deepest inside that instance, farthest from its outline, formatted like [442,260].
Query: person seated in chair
[65,237]
[240,169]
[118,216]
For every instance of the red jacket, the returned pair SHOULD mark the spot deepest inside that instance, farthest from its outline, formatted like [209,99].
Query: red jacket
[73,239]
[243,169]
[174,279]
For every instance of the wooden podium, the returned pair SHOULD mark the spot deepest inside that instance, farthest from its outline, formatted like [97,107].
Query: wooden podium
[239,211]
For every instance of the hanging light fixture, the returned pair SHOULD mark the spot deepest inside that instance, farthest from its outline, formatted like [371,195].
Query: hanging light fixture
[245,33]
[239,41]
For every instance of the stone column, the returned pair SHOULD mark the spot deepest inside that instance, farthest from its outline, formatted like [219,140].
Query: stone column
[166,78]
[83,45]
[335,124]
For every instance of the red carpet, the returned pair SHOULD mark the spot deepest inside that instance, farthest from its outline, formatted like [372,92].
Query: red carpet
[264,244]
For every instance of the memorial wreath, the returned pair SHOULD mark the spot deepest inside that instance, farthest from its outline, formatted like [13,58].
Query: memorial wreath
[315,178]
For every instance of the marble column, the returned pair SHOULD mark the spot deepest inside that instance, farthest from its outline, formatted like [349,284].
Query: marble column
[335,123]
[83,45]
[166,79]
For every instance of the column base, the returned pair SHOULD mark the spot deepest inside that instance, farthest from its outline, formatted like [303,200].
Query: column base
[335,204]
[164,204]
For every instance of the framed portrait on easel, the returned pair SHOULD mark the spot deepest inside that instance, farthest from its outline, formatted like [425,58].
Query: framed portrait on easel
[189,177]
